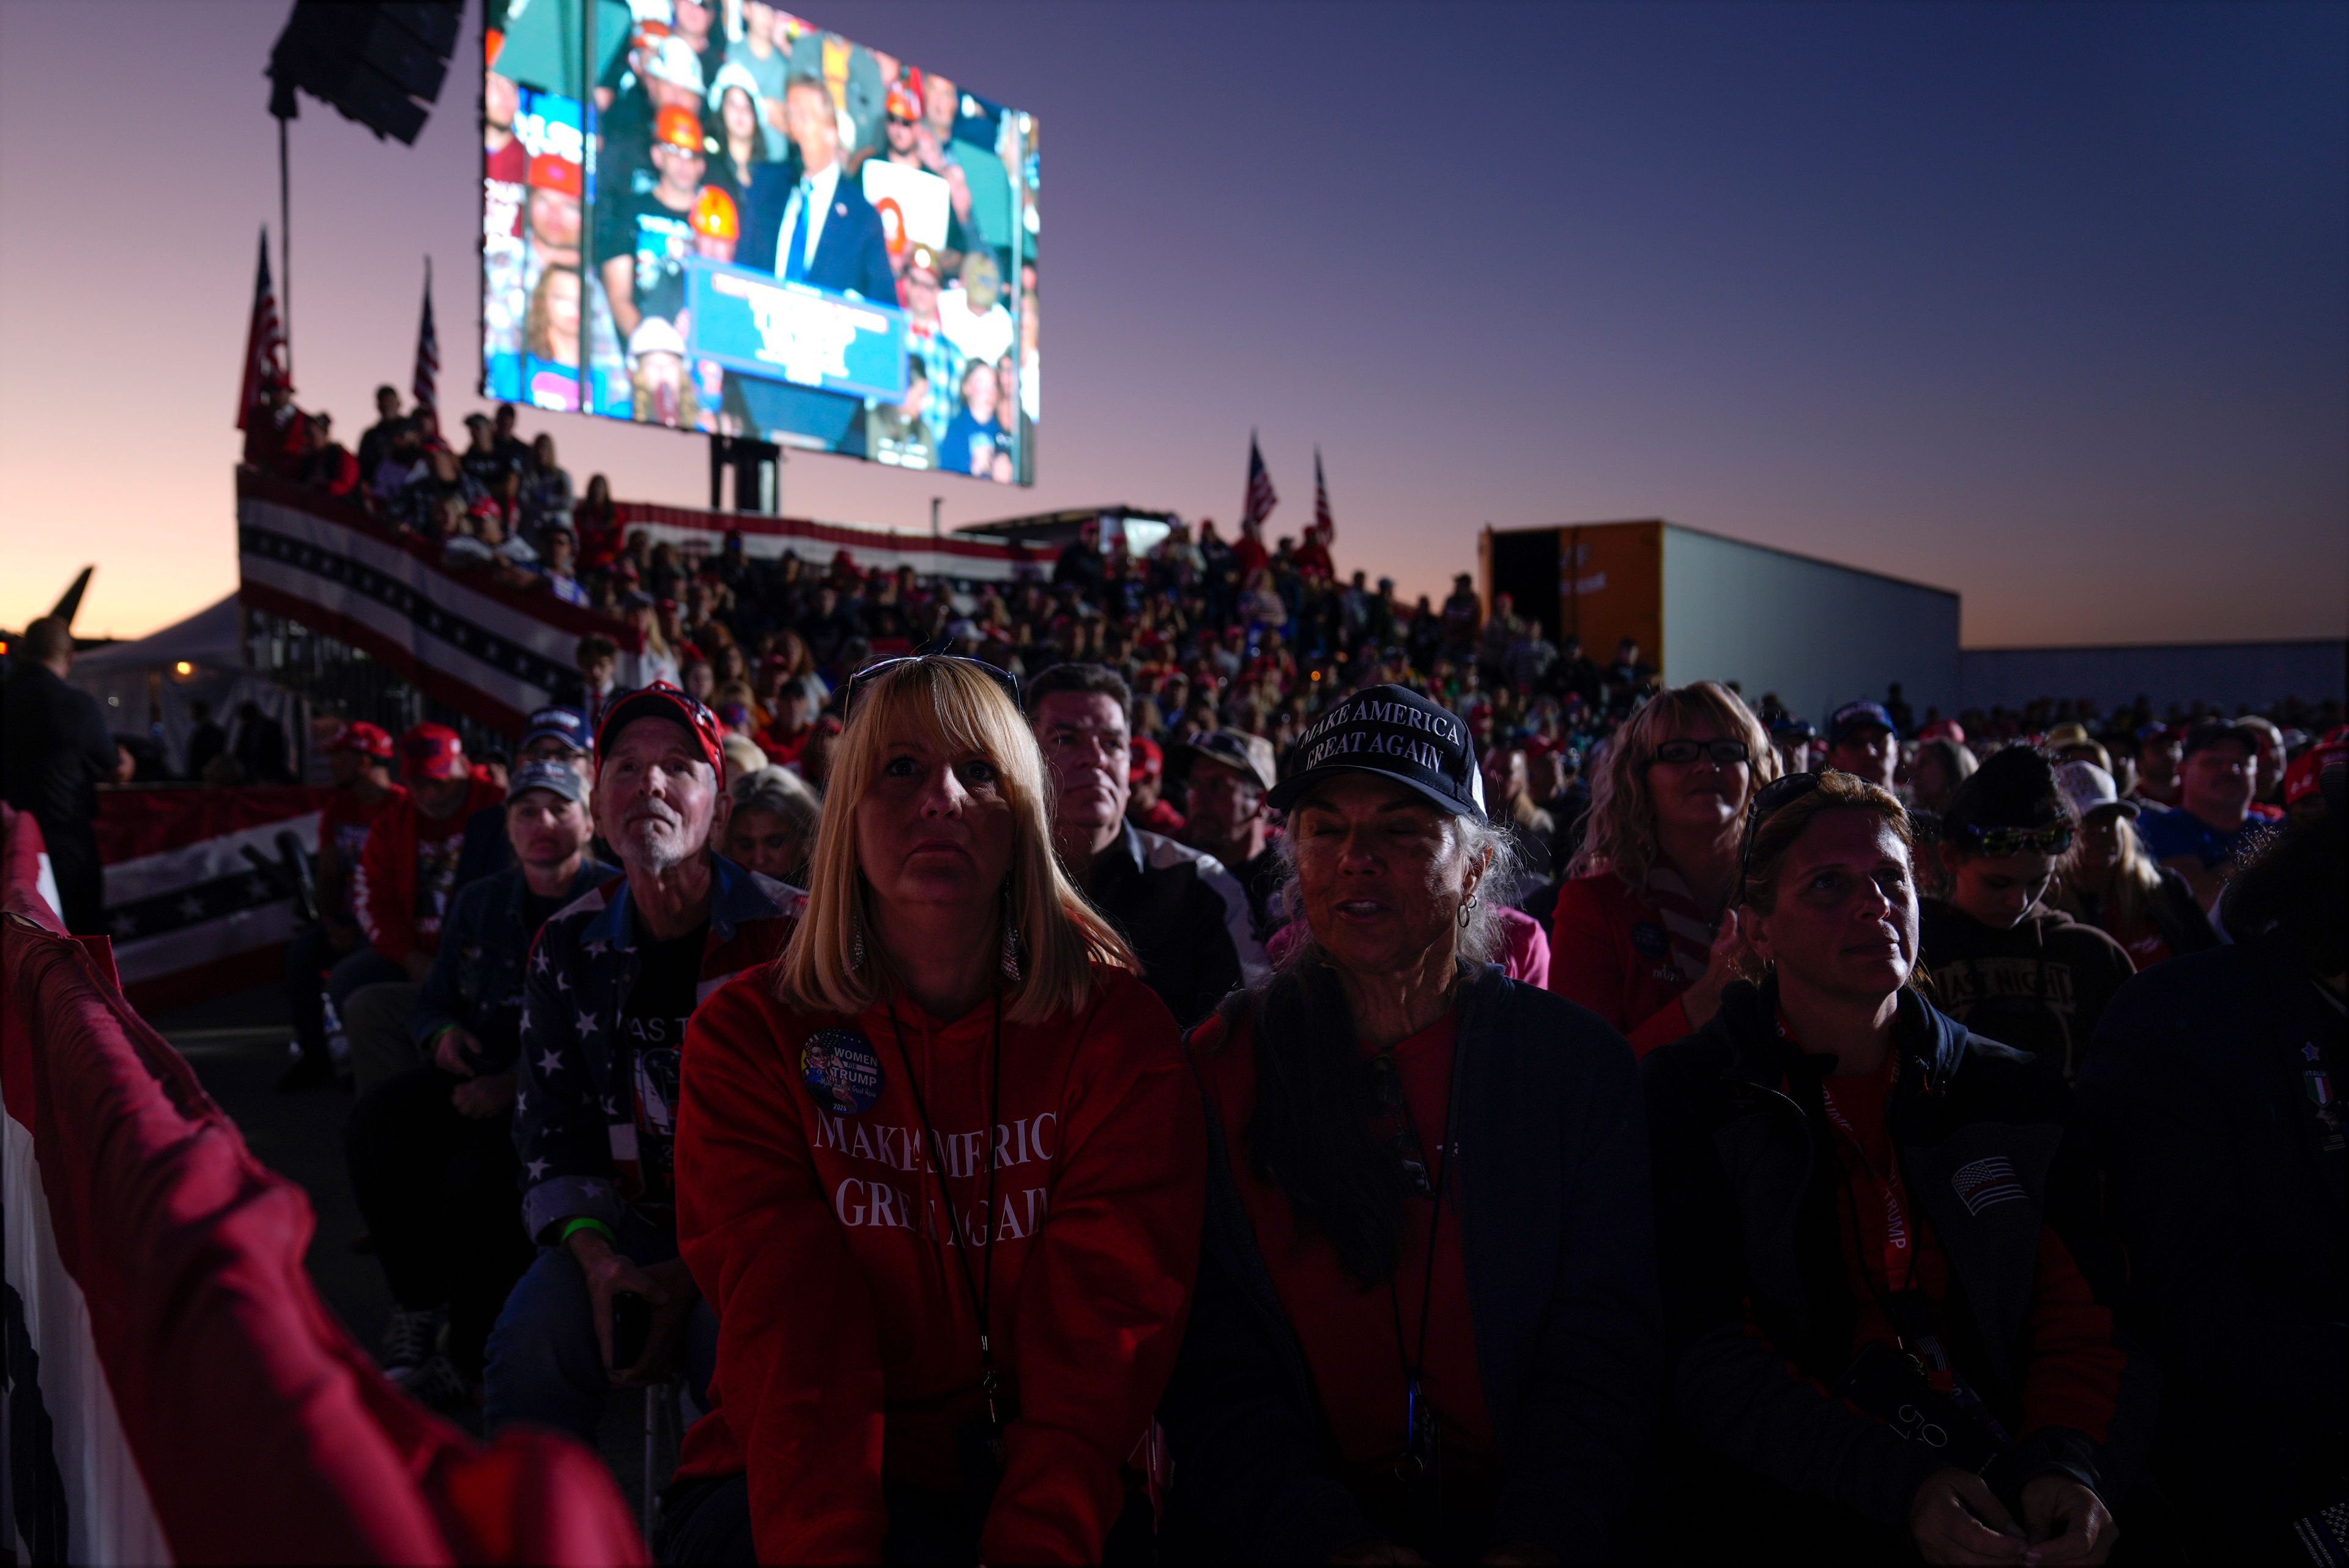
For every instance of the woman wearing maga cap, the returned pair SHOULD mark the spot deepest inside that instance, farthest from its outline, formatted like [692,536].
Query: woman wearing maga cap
[1426,1301]
[939,1170]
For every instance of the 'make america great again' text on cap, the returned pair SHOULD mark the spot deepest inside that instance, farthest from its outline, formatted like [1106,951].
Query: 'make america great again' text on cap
[1395,733]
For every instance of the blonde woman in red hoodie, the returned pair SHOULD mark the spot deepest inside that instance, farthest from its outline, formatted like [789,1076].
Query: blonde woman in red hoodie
[1644,935]
[940,1171]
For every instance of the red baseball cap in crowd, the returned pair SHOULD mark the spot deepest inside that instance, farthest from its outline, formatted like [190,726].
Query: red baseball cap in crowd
[663,700]
[432,751]
[2305,776]
[548,172]
[1943,730]
[368,740]
[1148,762]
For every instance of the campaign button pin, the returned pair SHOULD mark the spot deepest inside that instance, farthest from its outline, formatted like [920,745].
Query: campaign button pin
[841,1071]
[1648,940]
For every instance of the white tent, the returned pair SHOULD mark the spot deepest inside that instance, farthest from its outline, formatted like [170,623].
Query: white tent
[132,680]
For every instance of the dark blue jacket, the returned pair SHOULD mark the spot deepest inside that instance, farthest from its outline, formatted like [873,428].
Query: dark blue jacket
[850,254]
[1560,1255]
[1747,1223]
[2205,1087]
[477,974]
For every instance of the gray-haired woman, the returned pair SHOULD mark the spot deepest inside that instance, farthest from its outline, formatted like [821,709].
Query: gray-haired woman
[1425,1318]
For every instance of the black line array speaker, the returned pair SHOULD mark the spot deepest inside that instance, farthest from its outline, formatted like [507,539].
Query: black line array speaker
[381,62]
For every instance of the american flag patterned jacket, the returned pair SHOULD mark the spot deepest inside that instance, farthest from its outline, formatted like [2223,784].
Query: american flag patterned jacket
[576,1122]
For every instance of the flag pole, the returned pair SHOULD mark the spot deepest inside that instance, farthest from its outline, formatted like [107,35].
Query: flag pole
[285,246]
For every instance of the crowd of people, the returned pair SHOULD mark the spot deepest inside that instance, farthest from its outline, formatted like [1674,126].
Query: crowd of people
[1194,1057]
[742,134]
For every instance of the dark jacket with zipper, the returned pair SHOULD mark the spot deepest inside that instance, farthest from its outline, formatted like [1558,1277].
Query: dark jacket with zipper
[1560,1256]
[477,975]
[1746,1184]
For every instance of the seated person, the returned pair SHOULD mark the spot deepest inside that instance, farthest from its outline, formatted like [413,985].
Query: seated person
[551,734]
[1391,1358]
[361,761]
[431,1149]
[2216,1085]
[885,1395]
[615,977]
[2213,825]
[2003,962]
[772,830]
[1872,1225]
[1186,917]
[408,873]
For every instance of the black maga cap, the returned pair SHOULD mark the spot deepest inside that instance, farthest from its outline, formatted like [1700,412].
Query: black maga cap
[1395,733]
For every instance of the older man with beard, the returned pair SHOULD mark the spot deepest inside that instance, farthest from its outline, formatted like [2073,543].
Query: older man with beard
[613,981]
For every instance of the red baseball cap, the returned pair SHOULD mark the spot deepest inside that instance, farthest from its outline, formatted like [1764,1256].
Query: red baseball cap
[663,700]
[548,172]
[1147,760]
[368,740]
[433,752]
[2306,775]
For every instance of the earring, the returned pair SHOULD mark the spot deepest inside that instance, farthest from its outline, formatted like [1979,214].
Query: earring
[1011,939]
[855,941]
[1467,911]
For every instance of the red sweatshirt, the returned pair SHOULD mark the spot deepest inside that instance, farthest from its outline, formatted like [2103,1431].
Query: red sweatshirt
[848,1347]
[408,873]
[1609,950]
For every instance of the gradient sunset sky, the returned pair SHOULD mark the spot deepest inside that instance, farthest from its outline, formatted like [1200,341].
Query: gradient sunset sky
[2049,305]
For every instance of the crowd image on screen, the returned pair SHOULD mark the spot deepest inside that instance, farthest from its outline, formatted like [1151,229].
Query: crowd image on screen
[743,135]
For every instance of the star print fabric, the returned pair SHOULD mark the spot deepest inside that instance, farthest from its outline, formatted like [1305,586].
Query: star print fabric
[592,1118]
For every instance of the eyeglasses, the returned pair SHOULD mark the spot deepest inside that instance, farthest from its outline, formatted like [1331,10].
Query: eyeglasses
[1721,754]
[2052,839]
[1770,799]
[862,679]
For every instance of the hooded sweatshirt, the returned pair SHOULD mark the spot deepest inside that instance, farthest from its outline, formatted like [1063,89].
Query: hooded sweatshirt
[2039,986]
[848,1341]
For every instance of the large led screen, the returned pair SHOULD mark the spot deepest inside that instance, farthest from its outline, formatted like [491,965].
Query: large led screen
[717,216]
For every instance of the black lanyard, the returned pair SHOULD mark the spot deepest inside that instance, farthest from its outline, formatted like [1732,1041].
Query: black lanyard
[1419,1418]
[981,1289]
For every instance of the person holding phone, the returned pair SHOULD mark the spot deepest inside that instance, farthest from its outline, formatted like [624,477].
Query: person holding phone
[613,980]
[938,1172]
[1878,1242]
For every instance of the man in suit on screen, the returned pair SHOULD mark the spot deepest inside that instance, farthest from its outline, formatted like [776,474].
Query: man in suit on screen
[805,220]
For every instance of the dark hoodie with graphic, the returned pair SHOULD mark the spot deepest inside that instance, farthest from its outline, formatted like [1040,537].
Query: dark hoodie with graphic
[2040,985]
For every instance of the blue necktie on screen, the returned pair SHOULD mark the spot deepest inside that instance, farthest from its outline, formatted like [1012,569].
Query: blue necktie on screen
[795,239]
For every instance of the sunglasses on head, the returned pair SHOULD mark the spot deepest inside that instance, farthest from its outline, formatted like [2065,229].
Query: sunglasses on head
[2052,839]
[858,683]
[1770,799]
[1721,754]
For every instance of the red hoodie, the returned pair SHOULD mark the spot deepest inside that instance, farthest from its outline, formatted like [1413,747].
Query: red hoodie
[407,872]
[848,1347]
[1609,950]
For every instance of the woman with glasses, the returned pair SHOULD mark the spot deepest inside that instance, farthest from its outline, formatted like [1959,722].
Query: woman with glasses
[2003,962]
[1876,1242]
[1425,1316]
[939,1170]
[1643,935]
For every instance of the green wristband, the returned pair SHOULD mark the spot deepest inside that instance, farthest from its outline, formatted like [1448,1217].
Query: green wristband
[584,1223]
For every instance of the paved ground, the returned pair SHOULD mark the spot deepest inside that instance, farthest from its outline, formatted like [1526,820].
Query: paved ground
[237,1046]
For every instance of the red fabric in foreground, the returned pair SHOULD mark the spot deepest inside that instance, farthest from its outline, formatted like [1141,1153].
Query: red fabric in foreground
[263,1434]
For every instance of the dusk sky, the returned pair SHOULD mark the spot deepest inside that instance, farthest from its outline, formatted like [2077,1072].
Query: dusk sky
[2048,304]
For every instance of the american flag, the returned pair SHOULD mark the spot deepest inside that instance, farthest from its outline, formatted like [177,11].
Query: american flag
[424,387]
[1326,524]
[1261,499]
[265,343]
